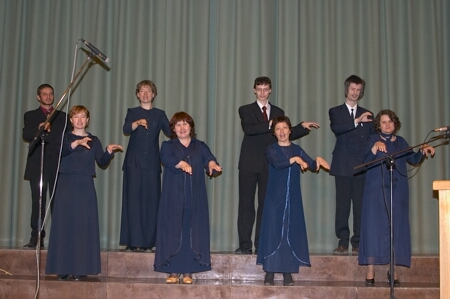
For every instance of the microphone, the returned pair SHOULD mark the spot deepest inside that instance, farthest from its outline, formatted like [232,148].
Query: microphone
[442,129]
[96,51]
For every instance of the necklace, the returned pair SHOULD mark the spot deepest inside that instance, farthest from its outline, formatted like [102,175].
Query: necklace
[386,136]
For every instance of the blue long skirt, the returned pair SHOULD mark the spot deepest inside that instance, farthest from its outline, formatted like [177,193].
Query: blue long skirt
[74,245]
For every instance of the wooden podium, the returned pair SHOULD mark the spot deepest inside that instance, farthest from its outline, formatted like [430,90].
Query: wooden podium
[444,236]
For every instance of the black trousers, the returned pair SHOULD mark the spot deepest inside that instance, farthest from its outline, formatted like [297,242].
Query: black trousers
[35,195]
[348,190]
[248,182]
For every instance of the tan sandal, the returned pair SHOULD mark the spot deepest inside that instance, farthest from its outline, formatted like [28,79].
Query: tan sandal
[187,278]
[173,278]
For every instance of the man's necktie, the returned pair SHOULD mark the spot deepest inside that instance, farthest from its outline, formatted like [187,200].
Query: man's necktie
[352,115]
[264,108]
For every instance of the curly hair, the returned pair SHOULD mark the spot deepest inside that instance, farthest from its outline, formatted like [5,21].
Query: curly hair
[392,116]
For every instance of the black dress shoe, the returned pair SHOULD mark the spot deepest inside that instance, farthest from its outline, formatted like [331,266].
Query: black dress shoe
[287,279]
[243,251]
[370,282]
[268,279]
[396,281]
[340,250]
[130,248]
[63,277]
[30,245]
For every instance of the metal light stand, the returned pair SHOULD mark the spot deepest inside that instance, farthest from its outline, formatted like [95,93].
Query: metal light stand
[41,182]
[390,162]
[41,134]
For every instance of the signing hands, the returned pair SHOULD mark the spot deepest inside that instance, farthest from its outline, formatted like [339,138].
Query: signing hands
[364,118]
[379,146]
[212,165]
[82,142]
[184,166]
[426,149]
[299,161]
[322,163]
[308,125]
[140,122]
[303,165]
[114,148]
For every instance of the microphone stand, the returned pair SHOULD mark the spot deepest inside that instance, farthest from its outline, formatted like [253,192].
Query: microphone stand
[390,163]
[42,134]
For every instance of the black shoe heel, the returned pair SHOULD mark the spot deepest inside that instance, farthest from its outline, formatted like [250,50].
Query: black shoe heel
[287,279]
[268,279]
[63,277]
[370,282]
[396,281]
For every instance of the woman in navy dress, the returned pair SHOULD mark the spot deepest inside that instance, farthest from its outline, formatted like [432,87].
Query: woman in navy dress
[374,246]
[182,245]
[283,243]
[74,246]
[142,170]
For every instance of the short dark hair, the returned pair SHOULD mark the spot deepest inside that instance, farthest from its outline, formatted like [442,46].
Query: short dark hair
[281,119]
[356,80]
[147,83]
[42,86]
[392,116]
[262,81]
[181,116]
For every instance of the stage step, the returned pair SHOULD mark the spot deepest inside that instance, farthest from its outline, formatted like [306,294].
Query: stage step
[131,275]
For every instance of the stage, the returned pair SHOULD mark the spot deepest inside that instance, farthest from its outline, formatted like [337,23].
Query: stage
[131,275]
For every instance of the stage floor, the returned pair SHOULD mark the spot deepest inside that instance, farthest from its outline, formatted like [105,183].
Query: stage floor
[130,275]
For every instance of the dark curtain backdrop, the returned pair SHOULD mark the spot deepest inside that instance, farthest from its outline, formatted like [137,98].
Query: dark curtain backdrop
[203,56]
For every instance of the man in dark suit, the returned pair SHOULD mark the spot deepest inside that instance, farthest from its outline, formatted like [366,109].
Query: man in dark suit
[256,122]
[33,121]
[351,124]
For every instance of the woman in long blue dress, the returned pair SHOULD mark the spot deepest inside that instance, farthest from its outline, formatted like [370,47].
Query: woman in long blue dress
[142,170]
[182,244]
[374,245]
[74,246]
[283,243]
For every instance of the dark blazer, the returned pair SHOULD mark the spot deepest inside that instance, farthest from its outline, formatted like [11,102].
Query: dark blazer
[257,136]
[32,119]
[351,141]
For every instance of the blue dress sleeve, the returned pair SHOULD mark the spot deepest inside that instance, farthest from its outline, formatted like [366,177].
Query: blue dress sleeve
[129,119]
[168,158]
[165,126]
[102,157]
[276,157]
[312,164]
[207,155]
